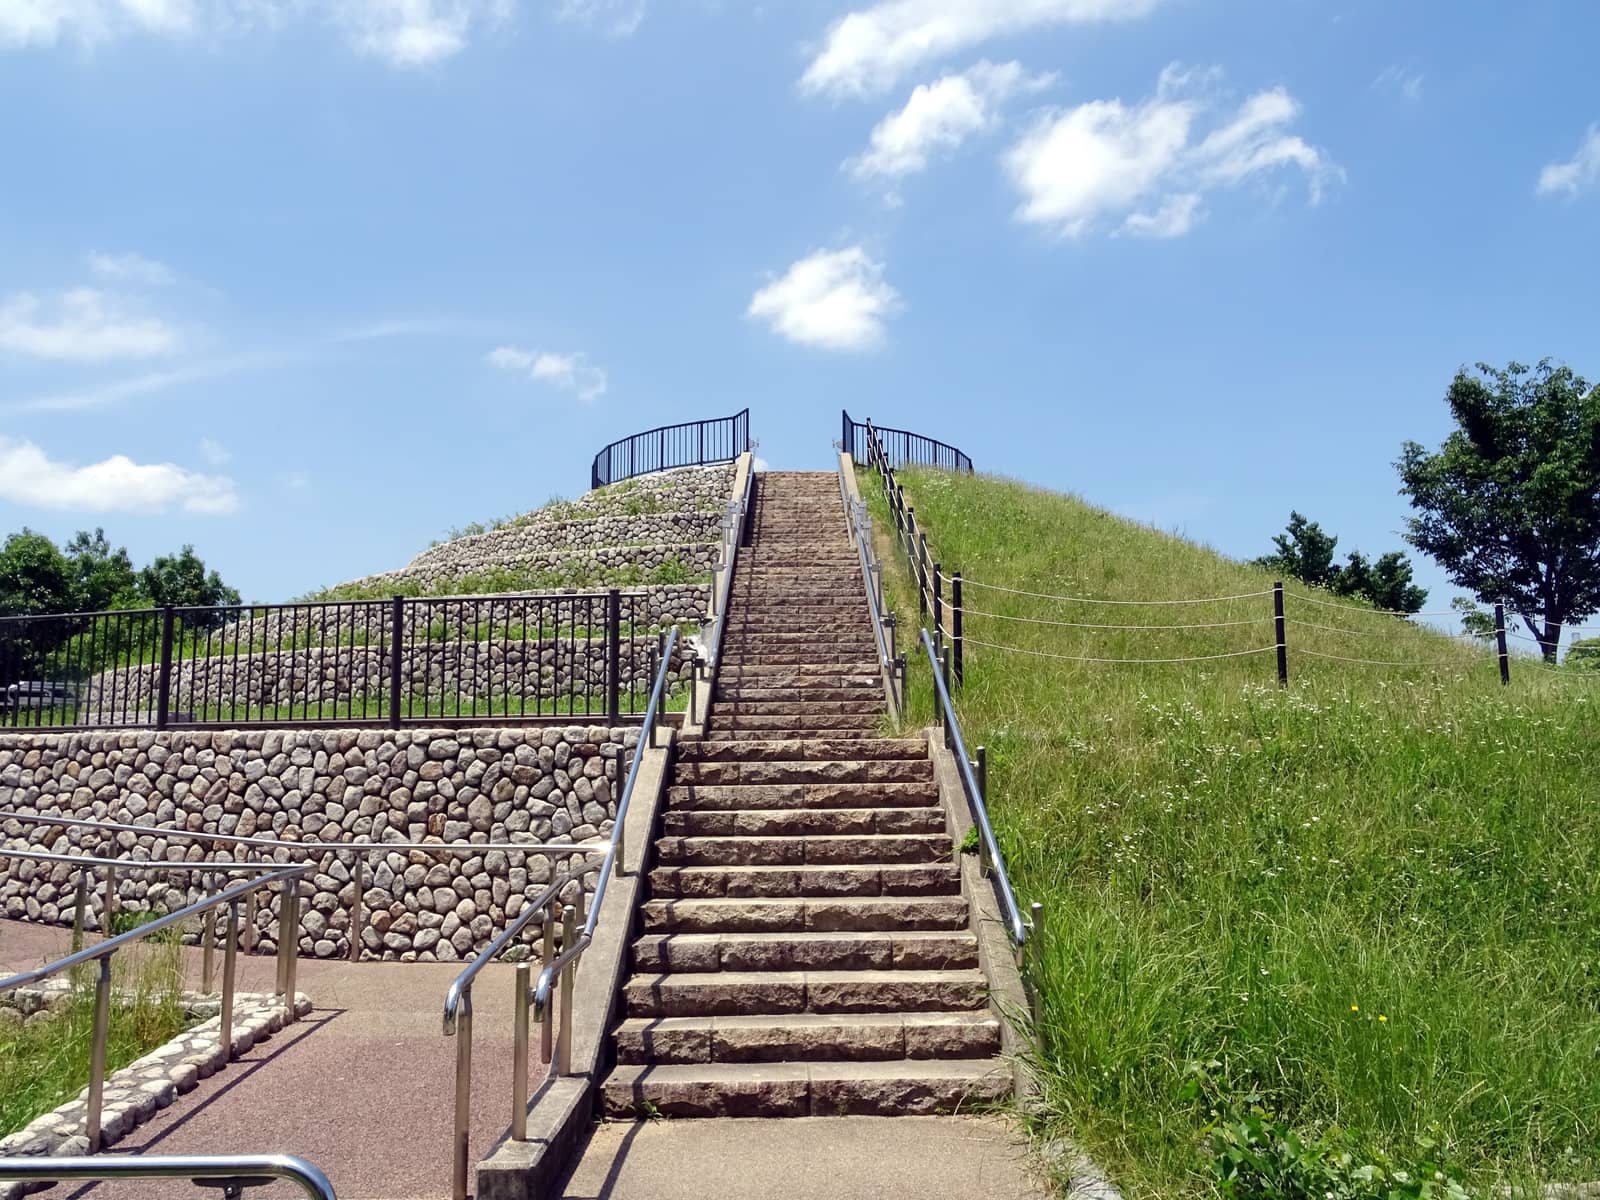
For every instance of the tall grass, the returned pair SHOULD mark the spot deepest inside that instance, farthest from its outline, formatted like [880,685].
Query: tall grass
[1369,899]
[46,1062]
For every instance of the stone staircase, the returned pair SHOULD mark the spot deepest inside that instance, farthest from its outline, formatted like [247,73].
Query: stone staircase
[806,948]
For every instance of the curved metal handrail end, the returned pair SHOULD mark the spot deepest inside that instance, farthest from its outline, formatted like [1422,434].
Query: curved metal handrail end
[308,1176]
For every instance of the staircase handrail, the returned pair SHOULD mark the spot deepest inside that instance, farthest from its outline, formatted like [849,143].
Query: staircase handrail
[1016,926]
[883,623]
[102,952]
[458,1000]
[737,520]
[194,1167]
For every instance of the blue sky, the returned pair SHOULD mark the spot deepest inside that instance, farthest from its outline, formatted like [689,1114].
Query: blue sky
[307,284]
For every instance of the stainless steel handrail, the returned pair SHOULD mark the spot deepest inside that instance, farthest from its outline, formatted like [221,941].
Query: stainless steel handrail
[1016,926]
[194,1167]
[739,517]
[458,1000]
[883,624]
[102,952]
[306,849]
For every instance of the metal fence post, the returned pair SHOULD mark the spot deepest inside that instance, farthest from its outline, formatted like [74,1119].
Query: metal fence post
[230,964]
[519,1064]
[358,876]
[547,956]
[569,937]
[955,623]
[938,606]
[613,654]
[97,1053]
[80,910]
[463,1106]
[397,620]
[1500,643]
[1278,627]
[164,682]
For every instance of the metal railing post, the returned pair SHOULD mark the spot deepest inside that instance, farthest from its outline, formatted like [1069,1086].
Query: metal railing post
[547,956]
[108,914]
[613,654]
[249,941]
[164,680]
[208,946]
[230,962]
[80,910]
[938,605]
[569,937]
[463,1106]
[519,1064]
[358,876]
[97,1053]
[397,621]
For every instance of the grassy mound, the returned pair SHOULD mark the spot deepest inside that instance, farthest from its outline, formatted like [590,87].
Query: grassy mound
[1288,934]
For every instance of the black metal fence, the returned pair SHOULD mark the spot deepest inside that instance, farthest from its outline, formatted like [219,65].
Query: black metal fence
[691,444]
[444,661]
[901,447]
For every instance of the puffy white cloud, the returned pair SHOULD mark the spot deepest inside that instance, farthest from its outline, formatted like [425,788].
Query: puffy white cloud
[1578,174]
[131,268]
[835,299]
[616,17]
[939,116]
[569,372]
[118,484]
[1137,169]
[403,33]
[867,51]
[82,325]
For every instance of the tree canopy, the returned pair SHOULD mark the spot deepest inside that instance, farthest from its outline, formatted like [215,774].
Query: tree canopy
[1304,551]
[1509,504]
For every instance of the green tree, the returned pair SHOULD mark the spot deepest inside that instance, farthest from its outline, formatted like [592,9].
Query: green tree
[1475,623]
[1509,504]
[1305,552]
[1584,655]
[34,576]
[182,580]
[102,578]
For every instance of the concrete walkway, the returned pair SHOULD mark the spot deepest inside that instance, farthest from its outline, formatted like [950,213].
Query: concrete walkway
[363,1087]
[842,1158]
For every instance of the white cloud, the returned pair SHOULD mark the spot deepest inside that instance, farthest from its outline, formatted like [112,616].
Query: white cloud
[835,299]
[1398,79]
[82,325]
[131,268]
[619,18]
[939,116]
[215,453]
[1577,174]
[1136,169]
[403,33]
[569,372]
[118,484]
[867,51]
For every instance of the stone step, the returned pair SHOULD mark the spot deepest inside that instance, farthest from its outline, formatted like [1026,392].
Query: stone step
[845,849]
[722,993]
[854,691]
[803,750]
[847,661]
[868,728]
[797,681]
[878,950]
[804,914]
[857,643]
[739,709]
[889,771]
[772,882]
[901,1087]
[808,1037]
[739,797]
[799,822]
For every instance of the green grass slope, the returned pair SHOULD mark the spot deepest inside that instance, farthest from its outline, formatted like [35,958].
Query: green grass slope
[1364,908]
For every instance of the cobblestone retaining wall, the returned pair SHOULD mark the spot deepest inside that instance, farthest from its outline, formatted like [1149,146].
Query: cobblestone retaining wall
[550,785]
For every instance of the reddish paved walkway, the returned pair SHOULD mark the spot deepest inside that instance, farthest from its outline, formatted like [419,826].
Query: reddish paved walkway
[363,1087]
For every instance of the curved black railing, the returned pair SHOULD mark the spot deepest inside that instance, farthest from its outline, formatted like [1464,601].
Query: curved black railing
[902,447]
[691,444]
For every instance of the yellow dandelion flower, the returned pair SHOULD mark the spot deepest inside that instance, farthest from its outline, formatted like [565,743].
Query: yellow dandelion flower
[1381,1017]
[1355,1008]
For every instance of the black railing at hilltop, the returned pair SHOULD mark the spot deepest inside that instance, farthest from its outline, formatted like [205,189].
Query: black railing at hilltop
[901,447]
[691,444]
